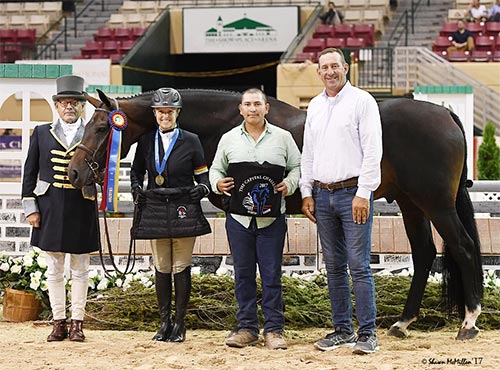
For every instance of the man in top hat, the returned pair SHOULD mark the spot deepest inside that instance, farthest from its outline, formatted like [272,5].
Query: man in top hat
[63,218]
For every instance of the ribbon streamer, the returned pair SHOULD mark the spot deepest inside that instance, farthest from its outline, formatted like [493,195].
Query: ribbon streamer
[118,122]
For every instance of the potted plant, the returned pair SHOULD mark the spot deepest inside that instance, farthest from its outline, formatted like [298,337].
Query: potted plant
[23,285]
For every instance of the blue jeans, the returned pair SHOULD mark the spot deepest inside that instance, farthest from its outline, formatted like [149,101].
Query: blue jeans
[263,247]
[344,244]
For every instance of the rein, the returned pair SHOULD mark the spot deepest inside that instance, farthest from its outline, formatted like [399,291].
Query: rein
[94,167]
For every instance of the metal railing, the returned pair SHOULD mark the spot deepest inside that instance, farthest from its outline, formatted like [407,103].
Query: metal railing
[419,66]
[402,27]
[301,39]
[48,50]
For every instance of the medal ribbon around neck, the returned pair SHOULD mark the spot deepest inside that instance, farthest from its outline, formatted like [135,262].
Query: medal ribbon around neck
[161,167]
[118,122]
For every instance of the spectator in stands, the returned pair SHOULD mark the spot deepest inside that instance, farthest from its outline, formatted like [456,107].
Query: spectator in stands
[63,218]
[331,15]
[256,165]
[172,158]
[477,13]
[494,14]
[462,39]
[340,170]
[68,7]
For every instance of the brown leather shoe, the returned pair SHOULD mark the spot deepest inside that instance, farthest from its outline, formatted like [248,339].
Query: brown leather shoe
[76,331]
[241,338]
[274,341]
[59,331]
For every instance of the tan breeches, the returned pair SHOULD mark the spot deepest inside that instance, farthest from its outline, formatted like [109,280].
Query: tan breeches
[172,255]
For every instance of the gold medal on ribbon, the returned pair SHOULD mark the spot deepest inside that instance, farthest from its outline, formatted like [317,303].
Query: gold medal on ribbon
[159,180]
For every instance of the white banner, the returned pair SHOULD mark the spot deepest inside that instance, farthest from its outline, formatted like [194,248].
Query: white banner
[239,30]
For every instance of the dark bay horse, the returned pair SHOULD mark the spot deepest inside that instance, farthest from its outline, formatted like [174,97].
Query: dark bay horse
[423,169]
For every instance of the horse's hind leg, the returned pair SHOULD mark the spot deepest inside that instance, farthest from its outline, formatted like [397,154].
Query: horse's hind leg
[465,278]
[423,252]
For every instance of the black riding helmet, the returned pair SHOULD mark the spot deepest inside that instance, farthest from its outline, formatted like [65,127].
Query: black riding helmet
[166,97]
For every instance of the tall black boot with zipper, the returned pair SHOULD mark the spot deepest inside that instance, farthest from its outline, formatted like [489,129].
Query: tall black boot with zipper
[182,284]
[163,286]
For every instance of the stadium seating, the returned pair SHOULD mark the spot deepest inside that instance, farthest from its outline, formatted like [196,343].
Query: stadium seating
[323,31]
[355,42]
[441,43]
[486,43]
[315,45]
[366,31]
[303,56]
[481,56]
[335,42]
[476,28]
[343,30]
[448,28]
[492,29]
[458,56]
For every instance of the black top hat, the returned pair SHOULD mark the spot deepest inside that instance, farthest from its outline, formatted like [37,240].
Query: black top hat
[69,87]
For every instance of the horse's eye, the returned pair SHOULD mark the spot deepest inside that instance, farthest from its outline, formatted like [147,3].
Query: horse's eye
[101,129]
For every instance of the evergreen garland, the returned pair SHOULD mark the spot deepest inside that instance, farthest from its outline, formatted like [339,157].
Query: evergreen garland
[213,306]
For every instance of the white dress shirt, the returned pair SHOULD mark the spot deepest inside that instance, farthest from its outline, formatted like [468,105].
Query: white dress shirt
[342,139]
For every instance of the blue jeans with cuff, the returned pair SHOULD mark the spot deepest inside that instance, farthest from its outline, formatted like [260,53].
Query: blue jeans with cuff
[252,247]
[346,244]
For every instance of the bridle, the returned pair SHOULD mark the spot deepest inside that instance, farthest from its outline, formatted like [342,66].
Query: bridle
[91,162]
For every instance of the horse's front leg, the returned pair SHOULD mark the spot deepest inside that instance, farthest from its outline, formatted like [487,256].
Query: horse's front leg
[423,249]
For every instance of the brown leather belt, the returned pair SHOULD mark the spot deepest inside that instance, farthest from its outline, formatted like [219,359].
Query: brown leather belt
[337,185]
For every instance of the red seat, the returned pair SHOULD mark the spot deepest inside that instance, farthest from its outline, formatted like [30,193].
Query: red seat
[335,42]
[98,56]
[441,43]
[497,44]
[137,32]
[26,36]
[448,28]
[303,56]
[323,31]
[441,53]
[458,56]
[315,45]
[91,48]
[122,34]
[104,33]
[496,56]
[110,47]
[126,46]
[355,42]
[366,31]
[8,36]
[486,43]
[115,58]
[492,29]
[343,30]
[481,56]
[476,28]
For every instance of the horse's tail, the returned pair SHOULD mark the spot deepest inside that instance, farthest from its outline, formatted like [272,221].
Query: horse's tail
[452,277]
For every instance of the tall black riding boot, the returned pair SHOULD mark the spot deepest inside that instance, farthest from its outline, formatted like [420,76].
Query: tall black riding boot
[182,283]
[163,285]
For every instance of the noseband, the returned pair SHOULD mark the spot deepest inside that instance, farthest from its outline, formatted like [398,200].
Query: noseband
[92,163]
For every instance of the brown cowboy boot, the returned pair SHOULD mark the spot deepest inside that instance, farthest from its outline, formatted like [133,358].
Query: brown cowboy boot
[76,331]
[59,331]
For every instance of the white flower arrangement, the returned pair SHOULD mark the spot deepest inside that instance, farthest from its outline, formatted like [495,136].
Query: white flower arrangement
[24,273]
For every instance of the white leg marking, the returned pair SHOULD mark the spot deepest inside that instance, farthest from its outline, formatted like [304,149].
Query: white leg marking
[471,317]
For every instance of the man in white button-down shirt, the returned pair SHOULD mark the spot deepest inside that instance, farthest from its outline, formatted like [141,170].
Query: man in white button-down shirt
[340,170]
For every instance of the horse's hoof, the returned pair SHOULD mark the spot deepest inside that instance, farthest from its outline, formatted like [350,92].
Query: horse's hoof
[397,332]
[466,334]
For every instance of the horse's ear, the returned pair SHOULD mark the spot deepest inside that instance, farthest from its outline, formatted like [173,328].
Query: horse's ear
[95,102]
[104,98]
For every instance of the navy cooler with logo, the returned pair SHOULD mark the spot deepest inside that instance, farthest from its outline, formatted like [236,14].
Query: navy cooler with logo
[253,193]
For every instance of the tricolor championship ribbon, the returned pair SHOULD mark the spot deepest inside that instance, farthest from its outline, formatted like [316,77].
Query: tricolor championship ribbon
[118,122]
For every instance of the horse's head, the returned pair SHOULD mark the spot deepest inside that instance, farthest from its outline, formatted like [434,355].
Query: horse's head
[89,161]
